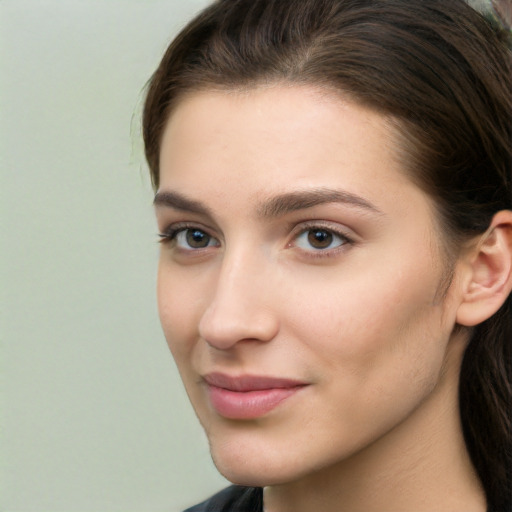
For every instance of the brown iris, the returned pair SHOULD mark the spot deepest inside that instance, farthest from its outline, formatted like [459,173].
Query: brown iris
[197,239]
[320,238]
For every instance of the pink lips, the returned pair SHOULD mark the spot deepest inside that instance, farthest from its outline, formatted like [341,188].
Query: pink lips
[248,397]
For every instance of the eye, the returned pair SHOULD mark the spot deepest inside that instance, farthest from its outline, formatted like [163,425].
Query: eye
[189,238]
[319,239]
[194,239]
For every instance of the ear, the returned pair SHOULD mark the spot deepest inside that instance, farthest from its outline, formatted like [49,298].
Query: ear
[487,278]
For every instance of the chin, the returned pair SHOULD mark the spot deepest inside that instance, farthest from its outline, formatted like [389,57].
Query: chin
[253,477]
[254,470]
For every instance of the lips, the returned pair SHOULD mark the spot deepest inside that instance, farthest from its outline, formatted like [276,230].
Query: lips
[248,396]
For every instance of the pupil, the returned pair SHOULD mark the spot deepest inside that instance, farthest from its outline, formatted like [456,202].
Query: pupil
[320,238]
[197,239]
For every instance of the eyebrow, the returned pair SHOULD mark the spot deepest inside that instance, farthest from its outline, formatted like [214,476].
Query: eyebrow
[180,202]
[275,206]
[303,199]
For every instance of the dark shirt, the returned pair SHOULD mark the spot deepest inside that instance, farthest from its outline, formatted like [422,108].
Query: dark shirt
[233,499]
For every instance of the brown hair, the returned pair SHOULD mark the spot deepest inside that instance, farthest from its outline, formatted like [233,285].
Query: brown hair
[443,73]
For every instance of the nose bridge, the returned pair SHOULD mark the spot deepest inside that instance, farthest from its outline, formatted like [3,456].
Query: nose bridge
[240,305]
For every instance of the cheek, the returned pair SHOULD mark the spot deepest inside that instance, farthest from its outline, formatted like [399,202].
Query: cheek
[369,323]
[178,311]
[375,351]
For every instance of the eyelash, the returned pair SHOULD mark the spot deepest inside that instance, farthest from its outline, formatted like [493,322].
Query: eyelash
[170,234]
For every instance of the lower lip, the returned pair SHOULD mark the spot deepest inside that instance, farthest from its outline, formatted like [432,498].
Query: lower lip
[246,405]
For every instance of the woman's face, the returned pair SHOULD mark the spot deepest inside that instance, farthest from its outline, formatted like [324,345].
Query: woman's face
[301,280]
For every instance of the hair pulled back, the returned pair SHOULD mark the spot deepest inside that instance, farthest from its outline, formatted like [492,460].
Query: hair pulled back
[443,74]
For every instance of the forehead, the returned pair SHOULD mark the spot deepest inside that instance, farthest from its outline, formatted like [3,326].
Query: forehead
[266,140]
[291,110]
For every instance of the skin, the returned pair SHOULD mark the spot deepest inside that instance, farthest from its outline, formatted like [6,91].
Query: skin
[362,322]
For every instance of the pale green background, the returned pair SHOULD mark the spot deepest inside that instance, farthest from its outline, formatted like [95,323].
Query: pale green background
[94,418]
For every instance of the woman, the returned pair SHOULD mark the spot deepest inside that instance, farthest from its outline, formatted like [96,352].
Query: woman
[333,195]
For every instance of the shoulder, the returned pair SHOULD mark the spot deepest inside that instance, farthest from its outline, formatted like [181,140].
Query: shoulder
[232,499]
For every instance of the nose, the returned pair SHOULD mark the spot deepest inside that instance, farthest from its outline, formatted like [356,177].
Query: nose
[241,305]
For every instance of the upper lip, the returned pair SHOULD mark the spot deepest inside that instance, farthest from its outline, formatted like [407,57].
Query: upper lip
[249,382]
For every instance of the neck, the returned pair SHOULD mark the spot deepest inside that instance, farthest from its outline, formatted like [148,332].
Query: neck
[421,465]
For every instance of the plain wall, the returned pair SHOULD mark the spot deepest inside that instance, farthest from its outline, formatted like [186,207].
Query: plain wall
[94,418]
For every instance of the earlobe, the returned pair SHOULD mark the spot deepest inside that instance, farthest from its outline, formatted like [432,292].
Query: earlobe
[488,281]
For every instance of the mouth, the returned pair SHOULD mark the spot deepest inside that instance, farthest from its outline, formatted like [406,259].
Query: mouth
[248,396]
